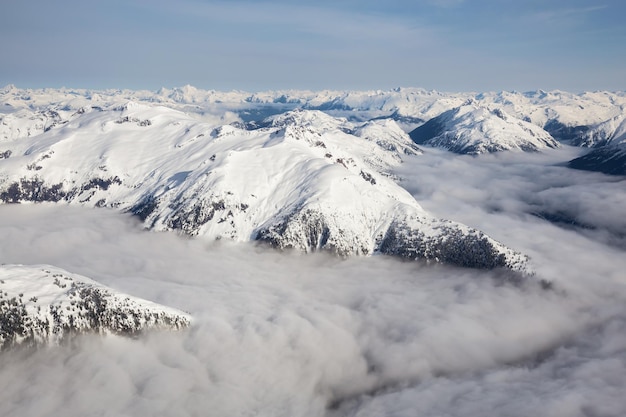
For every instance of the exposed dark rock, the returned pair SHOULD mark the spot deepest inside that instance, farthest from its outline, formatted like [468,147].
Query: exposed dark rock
[36,190]
[452,247]
[32,190]
[368,177]
[101,183]
[145,208]
[311,233]
[189,218]
[128,119]
[564,133]
[427,131]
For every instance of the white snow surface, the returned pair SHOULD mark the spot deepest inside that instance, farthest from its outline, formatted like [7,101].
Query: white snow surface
[44,304]
[609,132]
[308,181]
[476,129]
[571,109]
[538,107]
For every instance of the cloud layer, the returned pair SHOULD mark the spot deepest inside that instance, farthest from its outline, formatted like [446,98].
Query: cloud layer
[293,335]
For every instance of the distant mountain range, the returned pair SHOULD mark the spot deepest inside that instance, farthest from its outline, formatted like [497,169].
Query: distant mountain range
[589,119]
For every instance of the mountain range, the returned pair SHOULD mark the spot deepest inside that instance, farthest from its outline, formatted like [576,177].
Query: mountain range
[307,181]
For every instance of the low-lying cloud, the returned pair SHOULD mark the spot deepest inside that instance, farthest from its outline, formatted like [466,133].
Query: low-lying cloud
[295,335]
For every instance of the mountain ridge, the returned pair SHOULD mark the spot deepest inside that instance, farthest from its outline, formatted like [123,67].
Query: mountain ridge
[43,304]
[475,129]
[308,181]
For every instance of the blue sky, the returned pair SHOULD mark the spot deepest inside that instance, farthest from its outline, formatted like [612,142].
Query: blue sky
[447,45]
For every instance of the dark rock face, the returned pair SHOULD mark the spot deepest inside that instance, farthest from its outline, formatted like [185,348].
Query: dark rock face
[607,159]
[145,207]
[306,230]
[564,133]
[427,131]
[189,218]
[453,248]
[36,190]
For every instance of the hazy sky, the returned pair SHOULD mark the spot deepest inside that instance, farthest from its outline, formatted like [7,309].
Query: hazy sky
[449,45]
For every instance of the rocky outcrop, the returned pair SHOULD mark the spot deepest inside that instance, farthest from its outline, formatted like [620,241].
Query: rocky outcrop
[44,304]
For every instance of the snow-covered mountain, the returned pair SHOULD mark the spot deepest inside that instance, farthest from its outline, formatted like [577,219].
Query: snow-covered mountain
[610,159]
[566,116]
[214,164]
[44,304]
[612,131]
[306,181]
[475,129]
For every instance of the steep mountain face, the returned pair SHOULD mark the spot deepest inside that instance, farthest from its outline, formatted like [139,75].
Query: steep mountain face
[305,180]
[43,304]
[566,116]
[609,159]
[474,129]
[612,131]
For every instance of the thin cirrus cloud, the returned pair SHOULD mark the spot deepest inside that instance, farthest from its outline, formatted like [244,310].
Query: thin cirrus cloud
[441,44]
[559,14]
[264,20]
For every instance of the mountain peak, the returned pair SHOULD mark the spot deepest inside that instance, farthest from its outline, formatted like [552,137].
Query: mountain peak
[474,129]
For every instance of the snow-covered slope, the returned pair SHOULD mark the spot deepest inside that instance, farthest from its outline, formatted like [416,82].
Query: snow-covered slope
[474,129]
[43,304]
[306,181]
[612,131]
[610,159]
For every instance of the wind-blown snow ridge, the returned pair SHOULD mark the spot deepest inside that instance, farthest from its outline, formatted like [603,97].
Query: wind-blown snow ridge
[474,129]
[306,180]
[43,304]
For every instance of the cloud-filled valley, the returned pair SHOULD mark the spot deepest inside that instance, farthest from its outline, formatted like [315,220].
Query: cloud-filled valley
[312,335]
[223,216]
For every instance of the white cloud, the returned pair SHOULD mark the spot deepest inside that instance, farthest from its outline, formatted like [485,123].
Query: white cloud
[567,13]
[293,335]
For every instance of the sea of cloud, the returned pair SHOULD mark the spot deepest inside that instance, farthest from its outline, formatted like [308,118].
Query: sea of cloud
[286,334]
